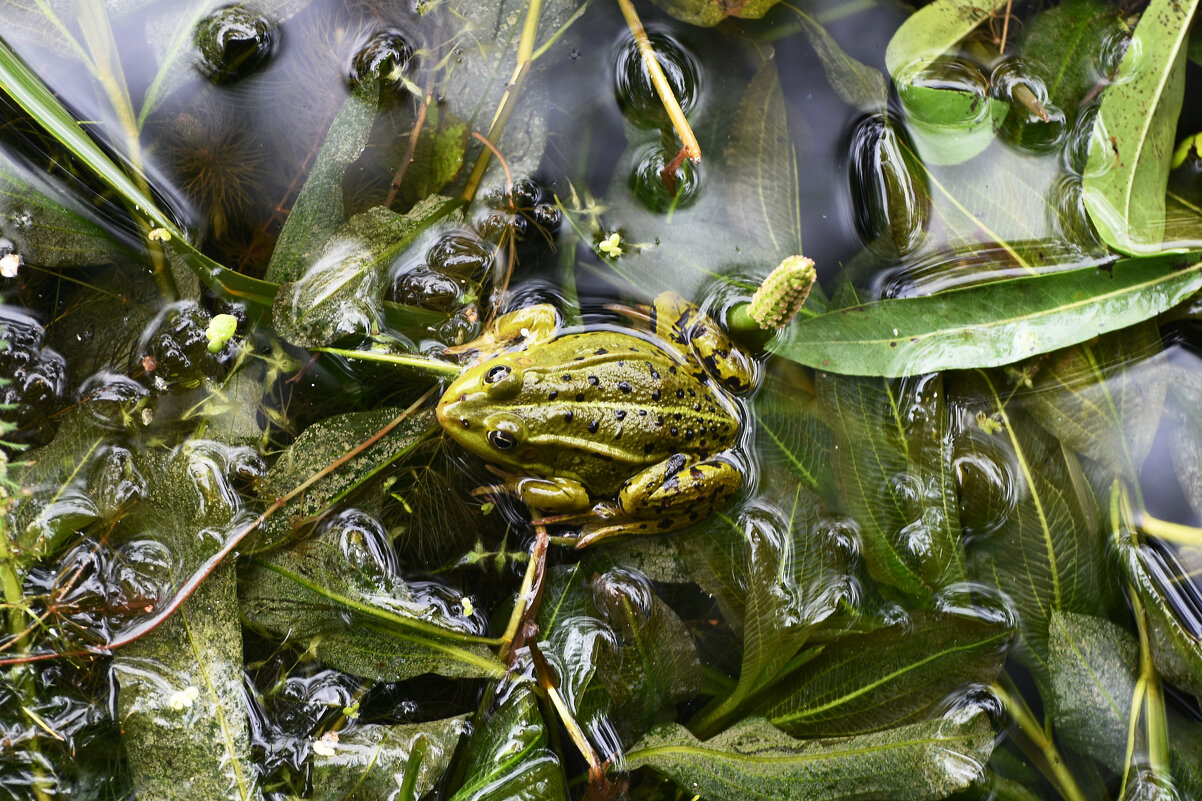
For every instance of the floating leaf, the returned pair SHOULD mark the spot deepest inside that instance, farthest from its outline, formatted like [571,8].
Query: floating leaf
[934,30]
[372,761]
[793,440]
[342,290]
[183,720]
[892,462]
[896,675]
[438,157]
[919,762]
[989,325]
[1132,142]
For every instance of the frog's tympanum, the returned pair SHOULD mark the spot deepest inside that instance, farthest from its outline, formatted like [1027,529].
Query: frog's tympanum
[605,430]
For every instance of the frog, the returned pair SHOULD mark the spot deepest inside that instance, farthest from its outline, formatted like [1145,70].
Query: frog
[605,429]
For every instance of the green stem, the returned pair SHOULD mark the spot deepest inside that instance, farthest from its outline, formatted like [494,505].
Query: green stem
[1029,726]
[423,364]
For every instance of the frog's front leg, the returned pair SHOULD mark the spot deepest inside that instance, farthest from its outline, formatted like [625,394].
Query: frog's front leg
[558,496]
[668,495]
[529,325]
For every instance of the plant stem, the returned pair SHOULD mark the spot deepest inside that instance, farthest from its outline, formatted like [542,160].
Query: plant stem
[423,364]
[689,147]
[1029,726]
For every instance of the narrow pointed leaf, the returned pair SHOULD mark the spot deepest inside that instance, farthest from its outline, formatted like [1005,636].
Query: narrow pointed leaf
[896,675]
[858,84]
[934,30]
[919,762]
[992,324]
[1132,144]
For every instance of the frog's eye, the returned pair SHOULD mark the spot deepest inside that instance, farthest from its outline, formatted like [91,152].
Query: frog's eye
[502,440]
[496,374]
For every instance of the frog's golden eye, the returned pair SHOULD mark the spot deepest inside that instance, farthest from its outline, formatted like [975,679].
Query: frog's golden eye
[502,440]
[495,374]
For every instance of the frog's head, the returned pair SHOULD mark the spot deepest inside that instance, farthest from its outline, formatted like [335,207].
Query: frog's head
[475,411]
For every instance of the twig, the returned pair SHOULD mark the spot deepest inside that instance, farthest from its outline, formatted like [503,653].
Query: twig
[418,124]
[689,147]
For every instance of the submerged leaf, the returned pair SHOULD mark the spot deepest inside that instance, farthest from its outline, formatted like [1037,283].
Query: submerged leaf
[319,209]
[1062,45]
[919,762]
[934,30]
[507,757]
[373,761]
[896,675]
[1094,666]
[992,324]
[708,13]
[858,84]
[1133,136]
[364,619]
[892,462]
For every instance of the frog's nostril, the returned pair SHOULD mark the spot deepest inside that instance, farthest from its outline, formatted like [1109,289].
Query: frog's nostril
[466,424]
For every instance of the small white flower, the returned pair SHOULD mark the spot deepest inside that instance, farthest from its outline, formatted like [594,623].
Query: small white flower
[468,607]
[325,745]
[10,265]
[183,699]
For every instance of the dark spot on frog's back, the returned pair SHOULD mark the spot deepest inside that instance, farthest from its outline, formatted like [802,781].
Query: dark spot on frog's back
[592,427]
[625,387]
[567,417]
[600,352]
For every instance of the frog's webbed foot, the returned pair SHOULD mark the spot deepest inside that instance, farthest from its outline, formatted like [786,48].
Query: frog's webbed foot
[554,495]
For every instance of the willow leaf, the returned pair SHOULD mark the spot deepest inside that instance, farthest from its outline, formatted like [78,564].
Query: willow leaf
[896,675]
[919,762]
[892,462]
[1094,666]
[28,91]
[859,85]
[708,13]
[319,208]
[934,30]
[180,702]
[992,324]
[1044,554]
[762,169]
[321,444]
[1132,144]
[1060,44]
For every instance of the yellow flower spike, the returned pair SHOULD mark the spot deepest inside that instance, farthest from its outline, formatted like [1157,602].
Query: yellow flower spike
[783,292]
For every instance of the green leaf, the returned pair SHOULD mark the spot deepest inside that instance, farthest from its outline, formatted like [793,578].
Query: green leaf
[896,675]
[951,122]
[708,13]
[183,719]
[1106,399]
[49,226]
[28,91]
[1061,45]
[761,170]
[362,618]
[322,443]
[1043,553]
[919,762]
[789,574]
[342,290]
[370,762]
[989,325]
[319,210]
[892,462]
[1094,666]
[934,30]
[1133,137]
[859,85]
[438,157]
[793,441]
[507,757]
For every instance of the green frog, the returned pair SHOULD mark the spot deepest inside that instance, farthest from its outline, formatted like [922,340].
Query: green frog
[603,429]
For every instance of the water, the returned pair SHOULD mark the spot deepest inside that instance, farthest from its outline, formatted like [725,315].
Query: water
[963,553]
